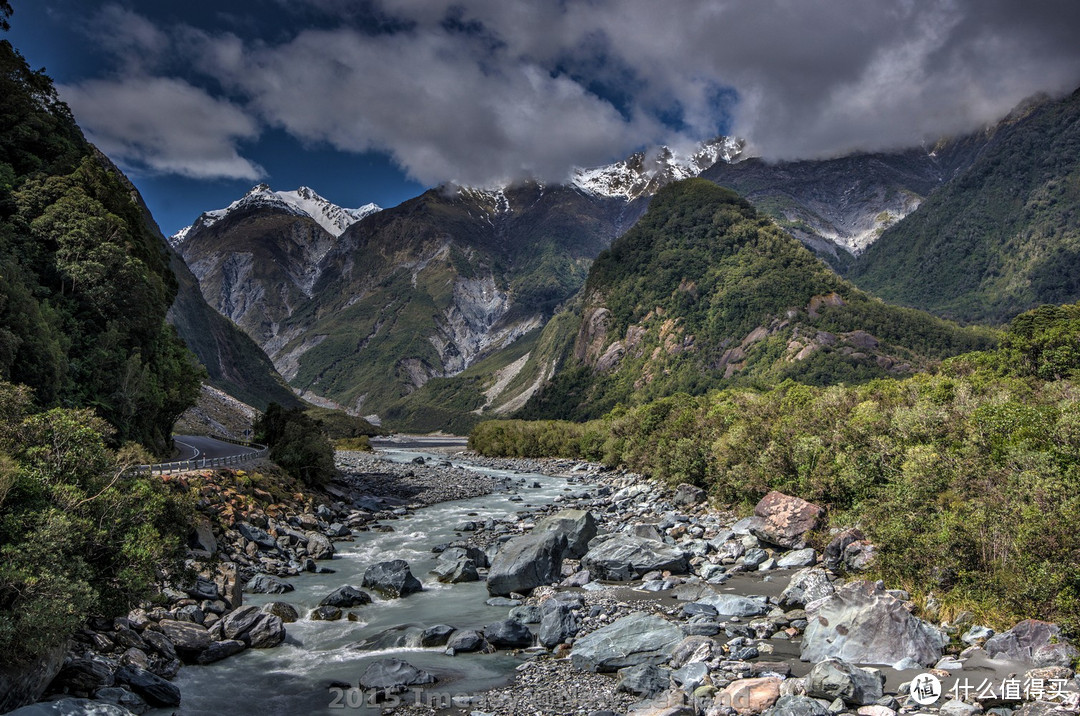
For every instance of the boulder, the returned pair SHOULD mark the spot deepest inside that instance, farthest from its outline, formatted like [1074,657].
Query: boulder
[833,557]
[394,676]
[319,546]
[806,585]
[798,558]
[785,519]
[254,627]
[268,631]
[283,610]
[454,572]
[326,614]
[257,535]
[83,676]
[859,556]
[436,635]
[557,623]
[267,584]
[345,597]
[733,605]
[467,640]
[526,562]
[796,705]
[160,643]
[392,579]
[155,690]
[508,634]
[692,649]
[751,696]
[644,680]
[638,638]
[189,639]
[123,698]
[476,554]
[578,526]
[626,557]
[687,495]
[1023,641]
[219,650]
[862,624]
[228,584]
[832,679]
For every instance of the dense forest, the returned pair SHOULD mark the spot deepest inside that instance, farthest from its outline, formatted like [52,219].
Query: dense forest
[91,379]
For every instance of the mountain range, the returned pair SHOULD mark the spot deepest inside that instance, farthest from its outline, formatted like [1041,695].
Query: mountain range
[465,301]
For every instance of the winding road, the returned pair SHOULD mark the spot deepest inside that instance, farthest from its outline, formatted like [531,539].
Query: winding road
[196,447]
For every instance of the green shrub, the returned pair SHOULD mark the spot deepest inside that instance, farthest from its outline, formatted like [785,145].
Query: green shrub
[297,443]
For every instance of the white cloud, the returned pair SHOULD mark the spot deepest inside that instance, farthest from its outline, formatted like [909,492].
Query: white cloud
[164,125]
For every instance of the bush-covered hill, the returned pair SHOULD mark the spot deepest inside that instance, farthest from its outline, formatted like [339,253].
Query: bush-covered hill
[1001,237]
[704,292]
[84,284]
[967,479]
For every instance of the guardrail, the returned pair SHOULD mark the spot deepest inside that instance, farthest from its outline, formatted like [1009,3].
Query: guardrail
[199,463]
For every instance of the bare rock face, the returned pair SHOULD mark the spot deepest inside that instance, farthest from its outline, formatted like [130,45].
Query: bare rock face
[785,519]
[863,624]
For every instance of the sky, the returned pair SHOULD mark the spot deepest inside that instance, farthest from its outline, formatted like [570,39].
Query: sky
[376,100]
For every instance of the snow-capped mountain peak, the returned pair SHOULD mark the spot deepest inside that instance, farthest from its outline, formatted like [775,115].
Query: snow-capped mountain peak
[301,202]
[643,173]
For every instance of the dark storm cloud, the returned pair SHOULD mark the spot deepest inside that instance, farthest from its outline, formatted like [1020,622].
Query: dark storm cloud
[482,91]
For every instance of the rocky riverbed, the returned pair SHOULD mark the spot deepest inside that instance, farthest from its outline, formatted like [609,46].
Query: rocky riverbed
[611,595]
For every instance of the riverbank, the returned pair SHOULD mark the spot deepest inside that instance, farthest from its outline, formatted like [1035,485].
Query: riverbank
[595,590]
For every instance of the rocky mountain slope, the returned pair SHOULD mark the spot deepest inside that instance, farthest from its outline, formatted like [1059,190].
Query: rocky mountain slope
[420,291]
[704,291]
[1000,238]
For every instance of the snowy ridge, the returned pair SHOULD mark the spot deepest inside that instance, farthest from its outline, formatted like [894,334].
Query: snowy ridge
[302,202]
[643,173]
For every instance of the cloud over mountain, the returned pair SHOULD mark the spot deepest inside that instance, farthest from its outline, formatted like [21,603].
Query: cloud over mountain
[481,91]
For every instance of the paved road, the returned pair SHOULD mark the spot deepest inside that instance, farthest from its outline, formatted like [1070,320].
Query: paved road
[199,446]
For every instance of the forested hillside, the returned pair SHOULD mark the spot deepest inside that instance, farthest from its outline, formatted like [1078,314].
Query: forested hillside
[704,292]
[84,284]
[1000,238]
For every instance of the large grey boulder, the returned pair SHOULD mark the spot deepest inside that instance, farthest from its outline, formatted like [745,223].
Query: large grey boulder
[645,680]
[267,584]
[319,546]
[557,623]
[451,571]
[733,605]
[508,634]
[155,690]
[862,624]
[394,676]
[392,579]
[832,679]
[637,638]
[687,495]
[578,526]
[254,627]
[527,562]
[625,557]
[806,585]
[345,597]
[189,639]
[1030,641]
[785,520]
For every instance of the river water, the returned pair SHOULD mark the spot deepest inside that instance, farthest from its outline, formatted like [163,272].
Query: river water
[294,677]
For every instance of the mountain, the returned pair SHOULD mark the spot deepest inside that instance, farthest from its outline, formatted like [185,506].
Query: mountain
[233,362]
[302,202]
[1003,235]
[839,207]
[705,291]
[421,291]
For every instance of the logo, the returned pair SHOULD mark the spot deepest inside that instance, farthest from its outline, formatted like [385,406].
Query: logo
[925,689]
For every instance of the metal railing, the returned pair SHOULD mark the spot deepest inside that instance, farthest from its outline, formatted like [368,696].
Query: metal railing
[199,463]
